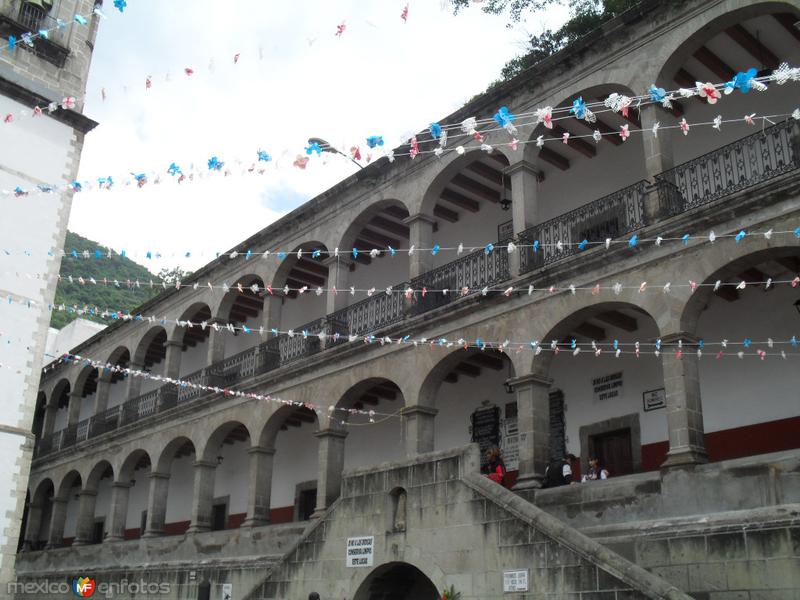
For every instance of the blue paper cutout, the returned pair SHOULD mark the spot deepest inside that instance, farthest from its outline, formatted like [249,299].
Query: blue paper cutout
[578,108]
[436,130]
[375,140]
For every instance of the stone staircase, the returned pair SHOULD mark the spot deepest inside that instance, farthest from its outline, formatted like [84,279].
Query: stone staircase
[462,530]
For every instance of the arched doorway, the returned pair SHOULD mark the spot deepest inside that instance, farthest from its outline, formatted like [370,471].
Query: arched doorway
[397,581]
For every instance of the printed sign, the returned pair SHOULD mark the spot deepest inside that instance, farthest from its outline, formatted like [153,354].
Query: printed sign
[360,551]
[515,581]
[654,399]
[485,429]
[607,387]
[227,591]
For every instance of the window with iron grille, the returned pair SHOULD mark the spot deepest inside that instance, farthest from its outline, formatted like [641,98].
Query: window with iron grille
[31,15]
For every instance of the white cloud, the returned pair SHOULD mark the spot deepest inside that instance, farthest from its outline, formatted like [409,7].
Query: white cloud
[294,80]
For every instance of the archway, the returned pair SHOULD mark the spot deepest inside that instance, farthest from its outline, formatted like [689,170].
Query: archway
[397,581]
[302,271]
[289,432]
[603,405]
[371,439]
[64,519]
[243,307]
[377,233]
[170,499]
[134,487]
[95,504]
[760,36]
[116,391]
[466,389]
[749,405]
[227,450]
[149,357]
[39,515]
[193,341]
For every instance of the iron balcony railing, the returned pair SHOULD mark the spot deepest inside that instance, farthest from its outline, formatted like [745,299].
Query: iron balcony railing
[742,164]
[473,271]
[371,314]
[737,166]
[50,35]
[609,217]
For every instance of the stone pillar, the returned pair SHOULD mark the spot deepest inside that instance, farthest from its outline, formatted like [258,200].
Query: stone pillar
[331,465]
[120,490]
[157,504]
[103,390]
[259,491]
[85,525]
[338,277]
[271,315]
[418,424]
[684,407]
[657,149]
[421,237]
[58,516]
[533,417]
[74,409]
[172,362]
[202,495]
[49,419]
[134,382]
[33,526]
[216,342]
[524,189]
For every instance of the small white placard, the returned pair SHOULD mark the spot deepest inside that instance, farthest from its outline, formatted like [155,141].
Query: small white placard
[515,581]
[227,591]
[360,551]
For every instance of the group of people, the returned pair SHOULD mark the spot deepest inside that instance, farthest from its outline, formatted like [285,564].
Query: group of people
[557,473]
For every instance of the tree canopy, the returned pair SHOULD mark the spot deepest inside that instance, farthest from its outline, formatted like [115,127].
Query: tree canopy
[585,16]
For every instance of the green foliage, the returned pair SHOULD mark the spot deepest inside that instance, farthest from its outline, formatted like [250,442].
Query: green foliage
[173,275]
[450,593]
[103,297]
[585,16]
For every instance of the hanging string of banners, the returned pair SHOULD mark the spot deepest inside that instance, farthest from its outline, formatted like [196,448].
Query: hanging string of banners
[469,128]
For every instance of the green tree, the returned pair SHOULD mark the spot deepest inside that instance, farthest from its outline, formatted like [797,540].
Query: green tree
[173,275]
[585,16]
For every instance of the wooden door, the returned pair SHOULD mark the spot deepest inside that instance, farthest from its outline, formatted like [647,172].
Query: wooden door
[615,452]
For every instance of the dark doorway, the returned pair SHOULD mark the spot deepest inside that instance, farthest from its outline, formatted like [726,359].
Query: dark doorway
[614,451]
[306,503]
[97,531]
[219,517]
[397,581]
[204,591]
[143,523]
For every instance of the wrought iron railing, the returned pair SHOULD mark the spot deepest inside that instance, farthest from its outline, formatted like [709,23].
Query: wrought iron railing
[370,314]
[609,217]
[737,166]
[300,344]
[105,421]
[141,407]
[20,18]
[473,271]
[187,393]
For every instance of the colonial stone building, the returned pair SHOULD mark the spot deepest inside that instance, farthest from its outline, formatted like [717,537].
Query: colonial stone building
[365,485]
[36,150]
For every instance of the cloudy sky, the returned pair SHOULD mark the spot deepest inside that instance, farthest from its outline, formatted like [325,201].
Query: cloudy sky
[294,79]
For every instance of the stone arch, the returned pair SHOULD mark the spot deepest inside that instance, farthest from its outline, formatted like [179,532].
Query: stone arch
[120,356]
[61,391]
[132,461]
[196,313]
[150,349]
[70,480]
[727,266]
[252,287]
[39,514]
[222,434]
[39,414]
[178,444]
[395,208]
[369,412]
[277,420]
[288,263]
[433,192]
[86,380]
[99,471]
[403,580]
[679,47]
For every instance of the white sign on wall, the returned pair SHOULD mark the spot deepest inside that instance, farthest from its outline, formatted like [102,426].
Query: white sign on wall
[227,591]
[360,551]
[515,581]
[607,387]
[511,444]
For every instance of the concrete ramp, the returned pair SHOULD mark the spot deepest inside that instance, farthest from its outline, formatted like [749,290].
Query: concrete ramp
[457,529]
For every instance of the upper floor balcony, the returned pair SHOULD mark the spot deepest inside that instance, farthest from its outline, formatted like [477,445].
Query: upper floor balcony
[21,17]
[561,195]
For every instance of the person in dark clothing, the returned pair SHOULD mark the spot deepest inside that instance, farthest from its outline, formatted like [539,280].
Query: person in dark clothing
[496,467]
[559,472]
